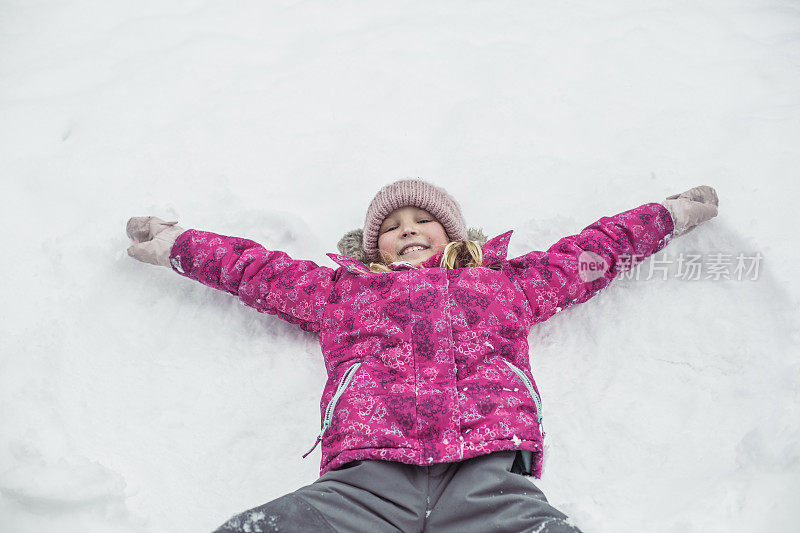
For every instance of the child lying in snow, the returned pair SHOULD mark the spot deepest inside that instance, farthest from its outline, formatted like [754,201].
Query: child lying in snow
[431,418]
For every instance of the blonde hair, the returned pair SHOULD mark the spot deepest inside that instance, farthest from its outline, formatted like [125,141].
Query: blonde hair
[457,254]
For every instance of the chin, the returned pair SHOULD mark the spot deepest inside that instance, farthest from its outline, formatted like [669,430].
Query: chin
[419,260]
[416,261]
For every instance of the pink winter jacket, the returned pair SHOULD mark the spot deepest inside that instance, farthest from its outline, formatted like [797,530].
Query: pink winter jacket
[425,365]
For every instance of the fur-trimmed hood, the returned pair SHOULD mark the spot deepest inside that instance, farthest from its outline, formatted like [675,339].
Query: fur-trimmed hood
[351,243]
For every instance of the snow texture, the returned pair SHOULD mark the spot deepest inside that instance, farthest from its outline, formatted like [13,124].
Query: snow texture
[132,400]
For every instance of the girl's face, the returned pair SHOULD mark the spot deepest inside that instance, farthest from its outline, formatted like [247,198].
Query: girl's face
[411,234]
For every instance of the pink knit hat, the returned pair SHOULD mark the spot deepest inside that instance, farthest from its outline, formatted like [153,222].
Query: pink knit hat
[418,193]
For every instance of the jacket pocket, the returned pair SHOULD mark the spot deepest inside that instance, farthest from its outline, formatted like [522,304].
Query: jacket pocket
[327,419]
[531,390]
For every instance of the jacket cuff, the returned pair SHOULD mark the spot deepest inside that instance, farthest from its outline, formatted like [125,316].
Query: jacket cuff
[179,256]
[665,217]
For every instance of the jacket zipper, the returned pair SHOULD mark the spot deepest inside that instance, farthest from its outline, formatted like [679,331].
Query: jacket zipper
[535,396]
[328,419]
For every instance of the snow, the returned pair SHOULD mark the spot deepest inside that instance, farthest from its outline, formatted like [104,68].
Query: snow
[132,400]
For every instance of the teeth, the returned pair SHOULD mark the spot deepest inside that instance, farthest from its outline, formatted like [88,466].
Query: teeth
[413,249]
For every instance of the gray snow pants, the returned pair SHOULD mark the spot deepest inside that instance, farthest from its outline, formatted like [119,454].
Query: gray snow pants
[477,495]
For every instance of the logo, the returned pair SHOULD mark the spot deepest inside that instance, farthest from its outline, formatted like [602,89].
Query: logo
[591,266]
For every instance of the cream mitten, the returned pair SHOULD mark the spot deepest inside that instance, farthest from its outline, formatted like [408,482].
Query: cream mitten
[153,239]
[691,208]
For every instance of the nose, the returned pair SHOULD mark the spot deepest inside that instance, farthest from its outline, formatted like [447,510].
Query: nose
[409,229]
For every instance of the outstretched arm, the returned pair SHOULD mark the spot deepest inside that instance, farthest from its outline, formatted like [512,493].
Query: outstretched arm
[269,281]
[577,267]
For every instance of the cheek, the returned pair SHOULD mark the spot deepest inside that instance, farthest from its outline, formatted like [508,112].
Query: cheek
[385,244]
[440,237]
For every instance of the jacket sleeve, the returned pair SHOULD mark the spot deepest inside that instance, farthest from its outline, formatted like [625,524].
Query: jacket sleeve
[563,275]
[269,281]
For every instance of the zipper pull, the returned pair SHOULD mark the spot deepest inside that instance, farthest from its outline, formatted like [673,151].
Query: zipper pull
[319,438]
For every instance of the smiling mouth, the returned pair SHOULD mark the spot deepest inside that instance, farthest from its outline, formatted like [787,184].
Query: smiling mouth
[413,248]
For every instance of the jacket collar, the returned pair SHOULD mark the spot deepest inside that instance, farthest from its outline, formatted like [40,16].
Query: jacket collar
[353,265]
[494,250]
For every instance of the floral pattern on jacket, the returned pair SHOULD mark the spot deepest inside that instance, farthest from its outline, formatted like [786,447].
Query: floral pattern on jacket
[425,365]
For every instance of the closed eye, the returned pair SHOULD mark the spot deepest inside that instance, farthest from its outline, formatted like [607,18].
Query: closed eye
[395,227]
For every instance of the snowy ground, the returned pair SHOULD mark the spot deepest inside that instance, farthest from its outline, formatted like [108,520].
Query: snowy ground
[132,400]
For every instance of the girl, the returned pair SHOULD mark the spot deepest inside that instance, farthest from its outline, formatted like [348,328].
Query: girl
[431,419]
